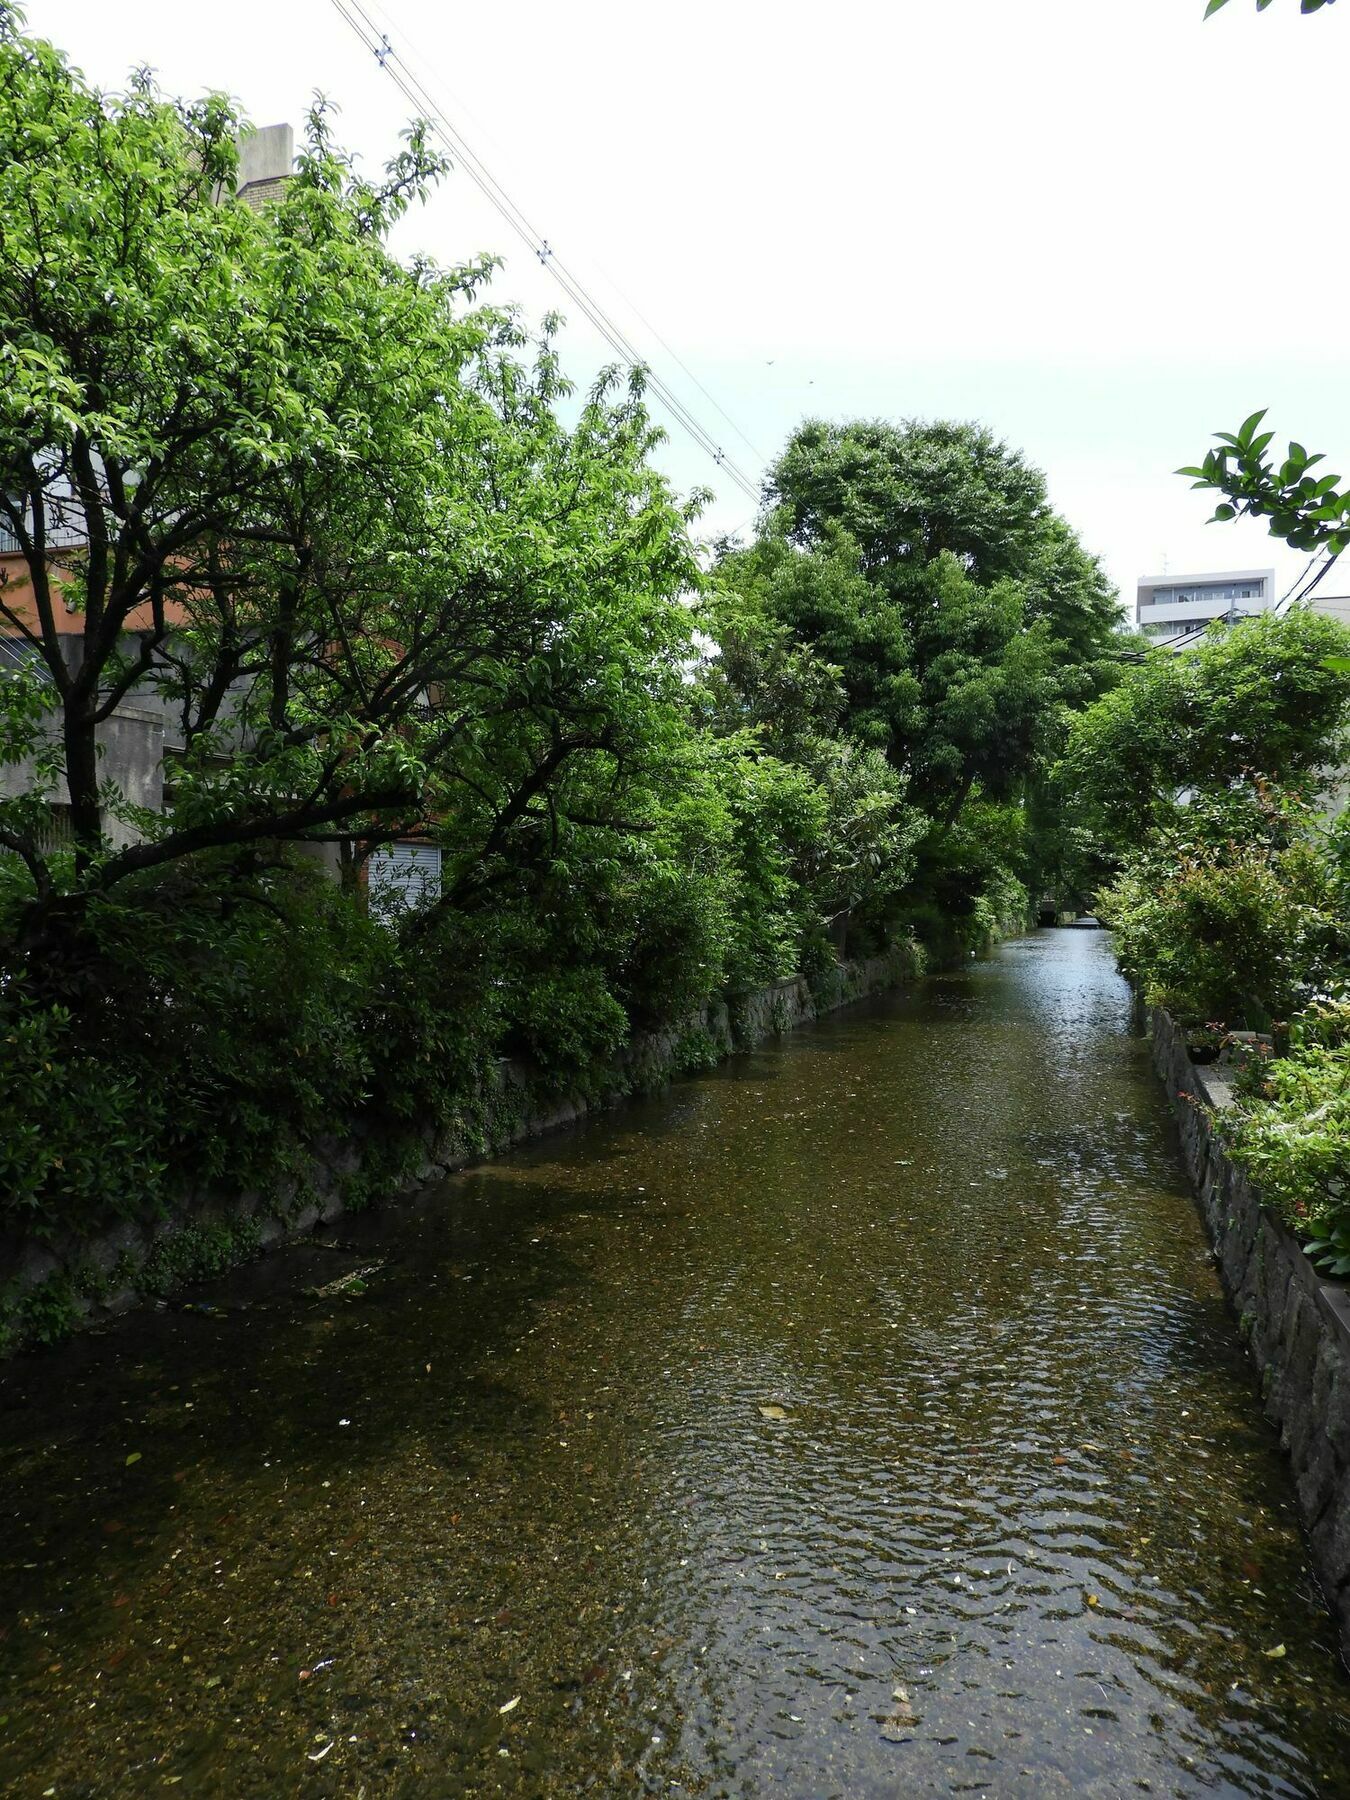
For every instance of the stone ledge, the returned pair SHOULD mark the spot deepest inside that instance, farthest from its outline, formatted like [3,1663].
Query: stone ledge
[1297,1325]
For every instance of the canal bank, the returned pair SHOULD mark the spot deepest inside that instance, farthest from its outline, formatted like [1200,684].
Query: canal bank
[863,1417]
[52,1284]
[1297,1325]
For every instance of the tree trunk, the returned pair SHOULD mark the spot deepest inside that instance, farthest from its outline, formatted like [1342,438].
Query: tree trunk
[81,747]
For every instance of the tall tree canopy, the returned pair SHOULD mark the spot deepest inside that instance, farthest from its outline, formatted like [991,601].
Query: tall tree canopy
[923,561]
[313,504]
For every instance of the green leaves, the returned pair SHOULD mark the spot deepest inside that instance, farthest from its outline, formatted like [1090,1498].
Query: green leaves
[1306,6]
[1266,696]
[1308,511]
[1332,1253]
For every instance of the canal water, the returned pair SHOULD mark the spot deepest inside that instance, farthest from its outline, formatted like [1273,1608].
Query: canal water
[862,1419]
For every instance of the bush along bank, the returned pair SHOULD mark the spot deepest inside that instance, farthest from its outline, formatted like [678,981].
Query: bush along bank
[1245,938]
[1200,781]
[55,1281]
[1198,784]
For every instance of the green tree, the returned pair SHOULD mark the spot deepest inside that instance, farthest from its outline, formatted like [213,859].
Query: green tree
[1233,912]
[781,701]
[313,504]
[923,561]
[1255,699]
[1310,512]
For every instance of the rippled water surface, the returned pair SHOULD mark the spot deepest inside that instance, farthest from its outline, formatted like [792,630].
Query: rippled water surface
[863,1419]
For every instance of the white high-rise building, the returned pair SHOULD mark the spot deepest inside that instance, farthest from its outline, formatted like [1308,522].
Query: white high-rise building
[1174,609]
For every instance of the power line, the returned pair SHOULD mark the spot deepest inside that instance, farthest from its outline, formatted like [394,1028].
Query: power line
[1309,578]
[354,14]
[1305,585]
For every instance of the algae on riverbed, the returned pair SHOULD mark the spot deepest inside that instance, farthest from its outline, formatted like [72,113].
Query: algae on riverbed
[516,1524]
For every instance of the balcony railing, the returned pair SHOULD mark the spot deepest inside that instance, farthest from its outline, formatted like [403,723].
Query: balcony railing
[59,537]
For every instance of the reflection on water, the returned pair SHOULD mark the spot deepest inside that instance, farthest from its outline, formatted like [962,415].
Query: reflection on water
[861,1420]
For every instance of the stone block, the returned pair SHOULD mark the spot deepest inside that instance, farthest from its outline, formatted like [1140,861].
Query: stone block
[1235,1254]
[1330,1540]
[35,1265]
[1275,1279]
[1302,1341]
[1336,1419]
[104,1253]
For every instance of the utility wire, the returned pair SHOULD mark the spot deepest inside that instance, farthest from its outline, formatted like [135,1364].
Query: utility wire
[1305,585]
[1309,578]
[354,14]
[372,6]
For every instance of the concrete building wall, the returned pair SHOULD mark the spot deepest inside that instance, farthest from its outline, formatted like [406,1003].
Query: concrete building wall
[1169,607]
[266,163]
[131,756]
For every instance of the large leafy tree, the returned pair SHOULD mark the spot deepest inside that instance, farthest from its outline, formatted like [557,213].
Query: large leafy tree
[1257,700]
[923,561]
[768,696]
[314,505]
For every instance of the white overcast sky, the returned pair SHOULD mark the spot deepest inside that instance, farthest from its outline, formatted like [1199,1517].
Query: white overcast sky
[1093,224]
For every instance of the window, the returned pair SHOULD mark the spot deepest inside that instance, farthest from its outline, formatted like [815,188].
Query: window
[400,877]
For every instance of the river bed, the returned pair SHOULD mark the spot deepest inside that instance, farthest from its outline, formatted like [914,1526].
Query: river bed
[861,1419]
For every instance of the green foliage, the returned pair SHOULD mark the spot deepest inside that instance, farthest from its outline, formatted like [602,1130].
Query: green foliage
[1290,1129]
[80,1139]
[1257,697]
[196,1253]
[326,510]
[911,590]
[1236,913]
[1305,6]
[1310,512]
[923,561]
[42,1314]
[1332,1253]
[907,494]
[972,887]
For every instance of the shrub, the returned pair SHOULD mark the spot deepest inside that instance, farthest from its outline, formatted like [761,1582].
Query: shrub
[81,1134]
[1290,1129]
[1236,915]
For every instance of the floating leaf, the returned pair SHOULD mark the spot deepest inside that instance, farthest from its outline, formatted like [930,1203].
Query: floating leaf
[510,1706]
[773,1412]
[1277,1650]
[135,1457]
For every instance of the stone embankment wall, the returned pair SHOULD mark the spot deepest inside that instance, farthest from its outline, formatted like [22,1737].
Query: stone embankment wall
[50,1286]
[1297,1325]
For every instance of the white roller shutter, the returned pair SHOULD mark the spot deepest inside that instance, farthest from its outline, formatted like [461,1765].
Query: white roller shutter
[401,876]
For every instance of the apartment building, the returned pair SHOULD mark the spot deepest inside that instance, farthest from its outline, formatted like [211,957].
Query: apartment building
[1174,609]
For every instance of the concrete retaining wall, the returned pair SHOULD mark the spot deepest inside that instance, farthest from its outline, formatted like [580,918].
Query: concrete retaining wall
[1296,1324]
[48,1287]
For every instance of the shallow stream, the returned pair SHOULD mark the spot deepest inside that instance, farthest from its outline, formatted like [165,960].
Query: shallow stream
[862,1419]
